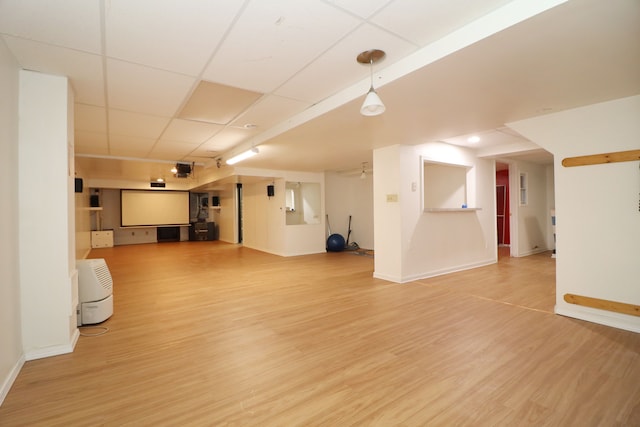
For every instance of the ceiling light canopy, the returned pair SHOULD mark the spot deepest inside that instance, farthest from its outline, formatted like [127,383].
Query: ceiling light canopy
[372,105]
[243,156]
[363,175]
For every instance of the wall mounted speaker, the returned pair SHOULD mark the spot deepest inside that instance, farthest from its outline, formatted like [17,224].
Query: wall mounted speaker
[271,190]
[215,201]
[78,182]
[94,201]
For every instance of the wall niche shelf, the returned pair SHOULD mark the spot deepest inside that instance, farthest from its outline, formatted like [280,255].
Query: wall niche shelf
[452,209]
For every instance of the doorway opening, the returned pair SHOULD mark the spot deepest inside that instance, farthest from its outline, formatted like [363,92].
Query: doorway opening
[239,210]
[503,213]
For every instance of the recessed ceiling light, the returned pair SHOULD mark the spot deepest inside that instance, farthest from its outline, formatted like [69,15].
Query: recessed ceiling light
[473,139]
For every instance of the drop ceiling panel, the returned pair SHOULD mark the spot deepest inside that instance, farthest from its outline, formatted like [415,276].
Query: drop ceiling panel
[136,124]
[83,69]
[136,88]
[423,22]
[174,37]
[190,131]
[216,103]
[286,35]
[226,139]
[90,118]
[91,143]
[172,150]
[72,23]
[130,146]
[312,84]
[269,111]
[362,8]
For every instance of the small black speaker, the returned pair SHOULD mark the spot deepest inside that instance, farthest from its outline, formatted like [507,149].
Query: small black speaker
[78,185]
[271,190]
[94,201]
[215,201]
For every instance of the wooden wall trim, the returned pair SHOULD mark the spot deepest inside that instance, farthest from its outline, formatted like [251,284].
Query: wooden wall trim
[596,159]
[603,304]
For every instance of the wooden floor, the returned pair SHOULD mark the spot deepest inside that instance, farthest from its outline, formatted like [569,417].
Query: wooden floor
[212,334]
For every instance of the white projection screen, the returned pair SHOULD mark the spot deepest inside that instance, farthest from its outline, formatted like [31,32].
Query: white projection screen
[153,207]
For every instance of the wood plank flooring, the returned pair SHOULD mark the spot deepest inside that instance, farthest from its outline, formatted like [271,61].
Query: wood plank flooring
[213,334]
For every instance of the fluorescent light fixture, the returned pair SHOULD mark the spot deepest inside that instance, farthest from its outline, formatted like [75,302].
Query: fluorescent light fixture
[243,156]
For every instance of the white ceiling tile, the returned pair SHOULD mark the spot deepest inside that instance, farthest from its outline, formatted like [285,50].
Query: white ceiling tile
[190,131]
[136,88]
[83,69]
[175,36]
[338,68]
[270,111]
[130,146]
[90,118]
[363,8]
[136,124]
[71,23]
[216,103]
[204,153]
[171,150]
[228,138]
[423,22]
[91,143]
[273,40]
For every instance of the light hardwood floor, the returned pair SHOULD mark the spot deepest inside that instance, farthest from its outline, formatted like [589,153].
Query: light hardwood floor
[212,334]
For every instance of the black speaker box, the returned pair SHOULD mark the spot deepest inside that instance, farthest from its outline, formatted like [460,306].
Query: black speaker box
[94,201]
[215,201]
[271,190]
[78,183]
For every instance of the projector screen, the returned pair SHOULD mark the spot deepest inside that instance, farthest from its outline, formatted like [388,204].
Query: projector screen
[153,207]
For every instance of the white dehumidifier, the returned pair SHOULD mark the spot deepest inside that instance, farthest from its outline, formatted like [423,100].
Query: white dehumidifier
[95,291]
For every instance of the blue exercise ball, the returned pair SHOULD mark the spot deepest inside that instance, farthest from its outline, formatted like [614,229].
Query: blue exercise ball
[335,243]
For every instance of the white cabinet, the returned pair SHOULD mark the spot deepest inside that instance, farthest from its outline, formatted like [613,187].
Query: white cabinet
[102,239]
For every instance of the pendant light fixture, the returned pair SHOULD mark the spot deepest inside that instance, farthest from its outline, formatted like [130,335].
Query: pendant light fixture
[363,175]
[372,105]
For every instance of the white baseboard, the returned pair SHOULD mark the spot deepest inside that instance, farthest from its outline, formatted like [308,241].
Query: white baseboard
[8,382]
[450,270]
[55,350]
[615,320]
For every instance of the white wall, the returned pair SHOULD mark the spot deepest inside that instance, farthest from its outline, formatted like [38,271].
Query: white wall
[83,221]
[264,218]
[412,244]
[534,221]
[598,222]
[350,195]
[11,354]
[48,279]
